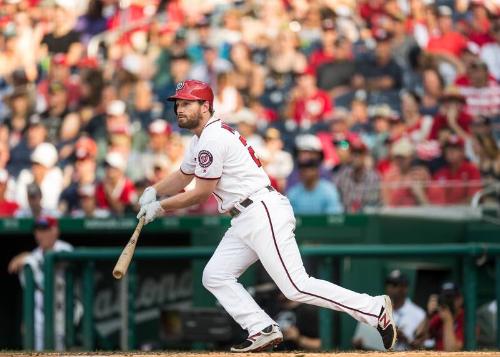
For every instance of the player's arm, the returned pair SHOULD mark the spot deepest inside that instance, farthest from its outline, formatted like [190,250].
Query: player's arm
[173,183]
[201,192]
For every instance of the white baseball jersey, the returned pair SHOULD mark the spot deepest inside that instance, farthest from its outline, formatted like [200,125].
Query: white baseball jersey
[222,153]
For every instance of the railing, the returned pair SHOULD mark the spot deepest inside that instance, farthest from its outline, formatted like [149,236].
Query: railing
[466,252]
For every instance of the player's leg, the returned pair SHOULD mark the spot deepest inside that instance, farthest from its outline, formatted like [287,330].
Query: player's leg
[275,244]
[231,258]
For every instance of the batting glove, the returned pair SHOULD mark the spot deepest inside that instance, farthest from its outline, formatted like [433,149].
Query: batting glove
[148,196]
[151,211]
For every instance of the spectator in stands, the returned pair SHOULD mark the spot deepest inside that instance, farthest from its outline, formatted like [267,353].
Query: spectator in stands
[158,140]
[20,155]
[46,232]
[433,86]
[35,208]
[480,89]
[490,52]
[227,99]
[63,38]
[211,66]
[84,174]
[487,149]
[405,182]
[45,174]
[115,192]
[7,207]
[380,72]
[444,323]
[308,147]
[448,42]
[20,107]
[459,179]
[417,126]
[175,150]
[451,115]
[249,77]
[313,195]
[247,127]
[87,204]
[277,162]
[358,184]
[335,75]
[284,56]
[56,112]
[309,105]
[326,53]
[407,315]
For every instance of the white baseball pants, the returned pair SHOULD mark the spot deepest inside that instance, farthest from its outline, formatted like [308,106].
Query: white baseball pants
[265,231]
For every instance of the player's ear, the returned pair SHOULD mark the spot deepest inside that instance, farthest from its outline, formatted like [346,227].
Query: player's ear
[205,106]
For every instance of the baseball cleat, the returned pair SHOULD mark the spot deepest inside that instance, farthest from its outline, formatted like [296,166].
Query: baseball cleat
[271,336]
[386,325]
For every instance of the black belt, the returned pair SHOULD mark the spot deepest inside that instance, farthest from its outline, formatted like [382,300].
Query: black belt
[246,202]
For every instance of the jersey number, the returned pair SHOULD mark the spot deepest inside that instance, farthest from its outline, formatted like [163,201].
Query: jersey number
[251,151]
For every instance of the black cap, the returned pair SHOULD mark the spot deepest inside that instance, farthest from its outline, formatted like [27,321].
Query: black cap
[396,277]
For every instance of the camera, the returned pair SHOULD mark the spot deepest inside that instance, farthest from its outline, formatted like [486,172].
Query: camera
[447,300]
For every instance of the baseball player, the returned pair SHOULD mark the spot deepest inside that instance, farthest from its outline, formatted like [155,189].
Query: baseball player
[262,226]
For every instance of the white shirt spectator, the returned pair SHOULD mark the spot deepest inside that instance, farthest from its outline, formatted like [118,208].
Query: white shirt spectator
[51,188]
[490,54]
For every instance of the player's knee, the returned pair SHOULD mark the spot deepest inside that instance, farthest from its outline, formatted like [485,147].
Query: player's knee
[212,277]
[295,292]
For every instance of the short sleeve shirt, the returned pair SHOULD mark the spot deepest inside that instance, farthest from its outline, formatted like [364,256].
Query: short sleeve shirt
[221,153]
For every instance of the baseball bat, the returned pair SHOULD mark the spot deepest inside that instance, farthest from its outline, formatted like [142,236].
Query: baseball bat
[124,261]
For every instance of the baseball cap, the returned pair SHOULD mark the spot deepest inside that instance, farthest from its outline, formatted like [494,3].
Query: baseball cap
[450,288]
[328,24]
[444,10]
[455,141]
[4,175]
[116,108]
[308,142]
[396,277]
[358,145]
[44,154]
[85,147]
[45,222]
[160,126]
[116,160]
[245,115]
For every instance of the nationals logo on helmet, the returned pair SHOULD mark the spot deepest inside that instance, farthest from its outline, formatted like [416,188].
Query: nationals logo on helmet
[205,158]
[179,86]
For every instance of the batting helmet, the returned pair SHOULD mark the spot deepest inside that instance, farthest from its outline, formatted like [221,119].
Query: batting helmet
[193,90]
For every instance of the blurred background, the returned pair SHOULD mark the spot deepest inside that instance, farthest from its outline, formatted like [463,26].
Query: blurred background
[380,120]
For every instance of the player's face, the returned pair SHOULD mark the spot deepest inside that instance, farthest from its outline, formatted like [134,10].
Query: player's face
[188,113]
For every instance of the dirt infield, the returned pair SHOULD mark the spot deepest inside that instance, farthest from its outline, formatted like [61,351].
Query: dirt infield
[269,354]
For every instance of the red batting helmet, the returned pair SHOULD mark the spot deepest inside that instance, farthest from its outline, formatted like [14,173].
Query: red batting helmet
[193,90]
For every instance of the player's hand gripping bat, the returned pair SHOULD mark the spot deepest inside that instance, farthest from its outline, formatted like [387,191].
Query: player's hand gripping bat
[124,261]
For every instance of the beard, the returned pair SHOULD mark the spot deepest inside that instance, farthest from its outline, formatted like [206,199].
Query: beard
[189,121]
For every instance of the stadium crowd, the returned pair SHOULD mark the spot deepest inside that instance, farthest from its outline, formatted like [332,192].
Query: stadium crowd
[349,104]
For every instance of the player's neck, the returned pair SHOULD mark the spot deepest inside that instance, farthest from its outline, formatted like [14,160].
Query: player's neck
[203,123]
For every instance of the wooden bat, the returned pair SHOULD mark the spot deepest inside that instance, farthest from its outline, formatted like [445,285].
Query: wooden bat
[124,261]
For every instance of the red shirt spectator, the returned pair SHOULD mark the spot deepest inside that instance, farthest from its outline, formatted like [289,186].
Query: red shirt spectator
[459,180]
[452,43]
[436,329]
[481,90]
[7,208]
[449,41]
[116,192]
